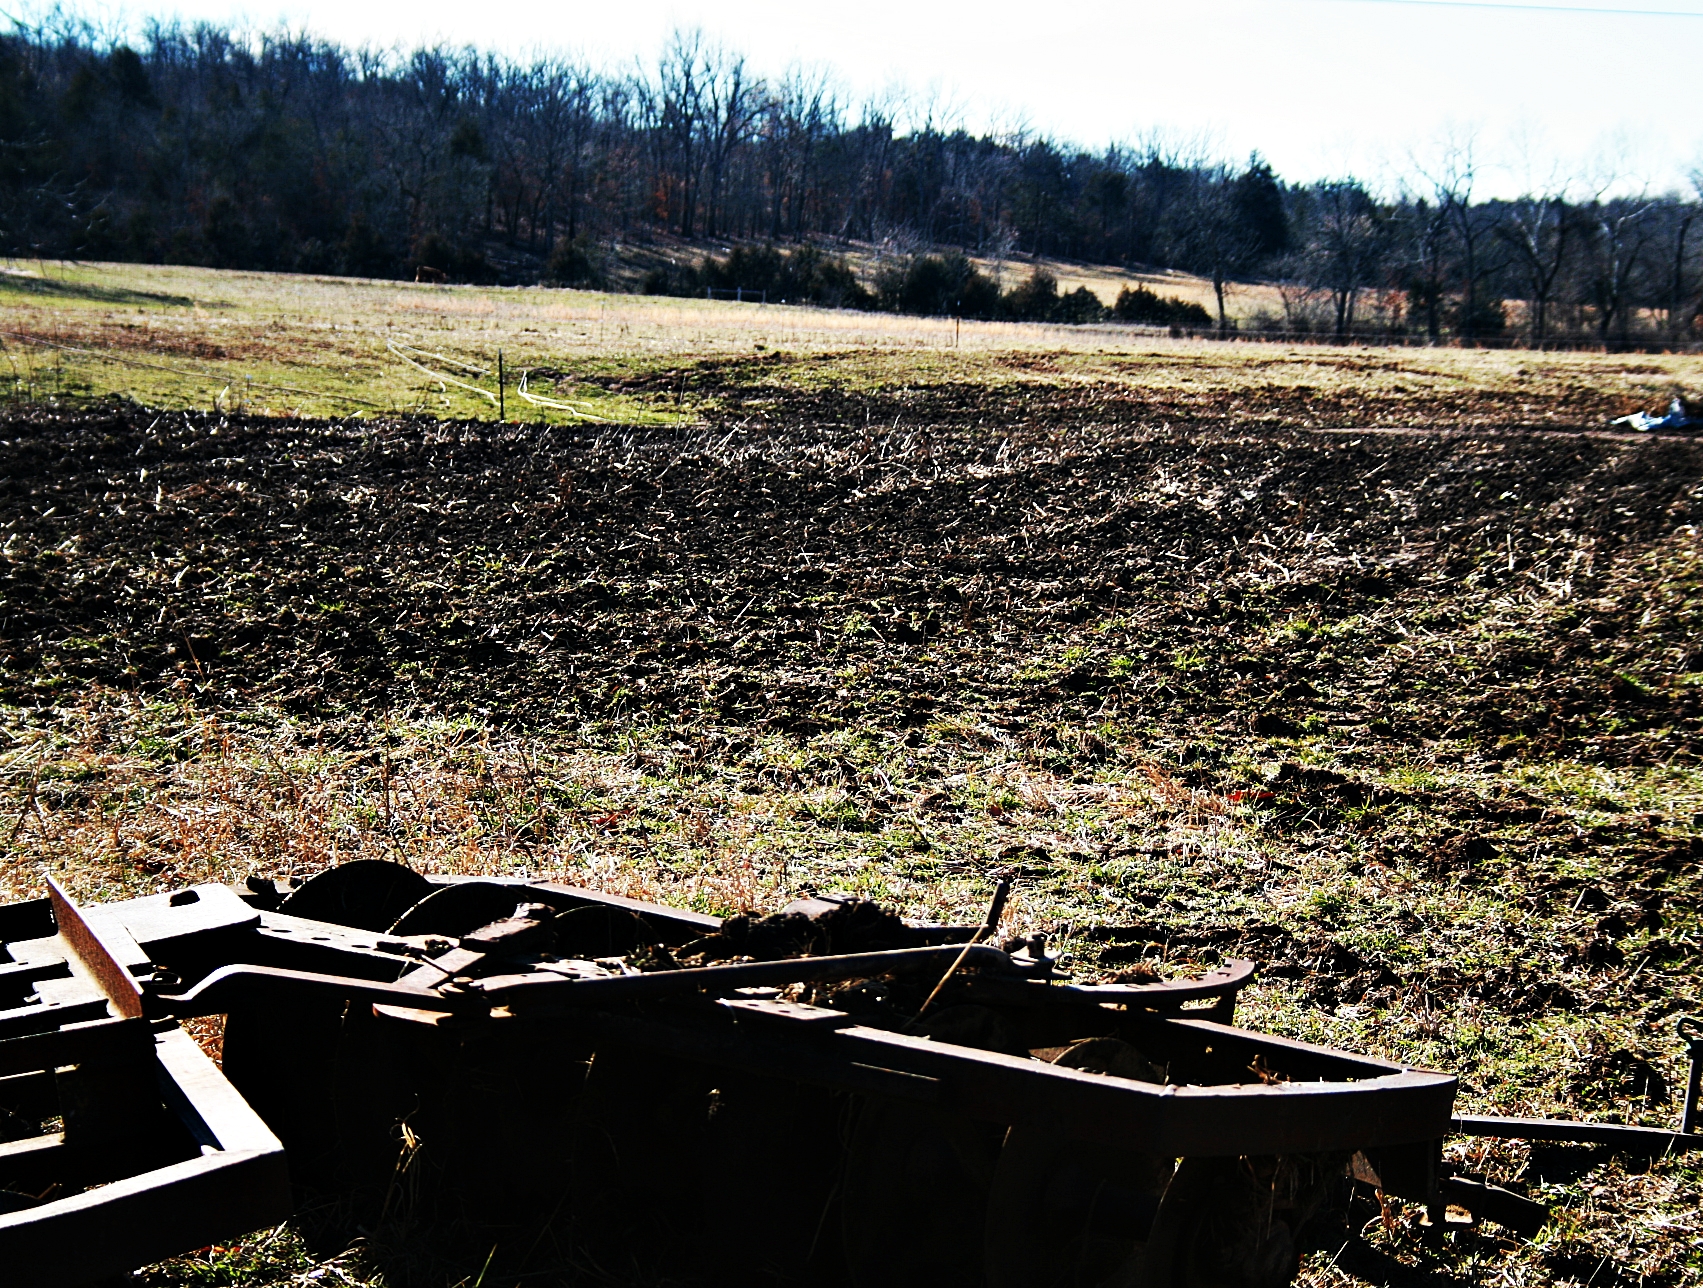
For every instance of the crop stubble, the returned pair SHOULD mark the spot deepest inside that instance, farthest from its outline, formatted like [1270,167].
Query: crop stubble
[1412,718]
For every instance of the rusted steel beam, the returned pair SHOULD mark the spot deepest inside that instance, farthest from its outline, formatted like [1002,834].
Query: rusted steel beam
[688,924]
[89,946]
[1284,1057]
[1653,1141]
[233,985]
[1254,1118]
[102,1038]
[1394,1106]
[1225,981]
[543,988]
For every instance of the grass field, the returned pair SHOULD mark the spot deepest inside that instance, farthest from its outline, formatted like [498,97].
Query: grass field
[191,338]
[1378,667]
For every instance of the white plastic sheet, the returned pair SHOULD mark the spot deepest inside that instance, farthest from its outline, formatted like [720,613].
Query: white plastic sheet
[1677,418]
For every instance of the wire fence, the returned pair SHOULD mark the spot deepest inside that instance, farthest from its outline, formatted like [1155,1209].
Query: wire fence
[738,294]
[1399,340]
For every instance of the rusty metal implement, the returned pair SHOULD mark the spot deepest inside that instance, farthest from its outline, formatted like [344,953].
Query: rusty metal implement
[561,1073]
[127,1143]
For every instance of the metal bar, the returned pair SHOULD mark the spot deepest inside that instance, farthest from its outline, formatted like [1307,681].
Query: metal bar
[193,1084]
[698,923]
[1281,1118]
[104,1037]
[1286,1056]
[996,908]
[113,1229]
[1493,1203]
[794,1060]
[236,985]
[689,925]
[30,972]
[541,987]
[12,1152]
[1214,1120]
[320,947]
[1651,1140]
[233,984]
[1692,1117]
[1229,978]
[242,1185]
[22,1021]
[93,953]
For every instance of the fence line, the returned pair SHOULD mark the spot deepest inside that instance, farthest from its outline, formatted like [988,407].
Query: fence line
[214,377]
[1362,340]
[738,294]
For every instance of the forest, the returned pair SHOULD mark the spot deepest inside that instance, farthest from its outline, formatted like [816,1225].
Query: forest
[692,174]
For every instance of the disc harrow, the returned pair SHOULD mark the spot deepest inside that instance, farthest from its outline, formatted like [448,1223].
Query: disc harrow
[574,1086]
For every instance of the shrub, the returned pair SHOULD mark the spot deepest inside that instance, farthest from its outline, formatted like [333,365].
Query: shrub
[1487,317]
[364,252]
[938,285]
[1188,314]
[747,268]
[227,234]
[1079,307]
[1140,305]
[812,275]
[1034,300]
[803,275]
[575,261]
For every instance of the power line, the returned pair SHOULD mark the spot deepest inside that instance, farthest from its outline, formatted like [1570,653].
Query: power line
[1535,8]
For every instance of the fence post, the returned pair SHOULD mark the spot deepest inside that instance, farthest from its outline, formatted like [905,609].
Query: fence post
[501,410]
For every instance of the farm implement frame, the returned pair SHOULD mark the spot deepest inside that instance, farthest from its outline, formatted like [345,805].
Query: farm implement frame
[600,1089]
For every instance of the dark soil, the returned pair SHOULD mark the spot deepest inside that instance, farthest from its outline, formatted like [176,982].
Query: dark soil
[1038,574]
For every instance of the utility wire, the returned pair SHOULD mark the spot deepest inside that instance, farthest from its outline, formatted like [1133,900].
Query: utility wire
[1512,5]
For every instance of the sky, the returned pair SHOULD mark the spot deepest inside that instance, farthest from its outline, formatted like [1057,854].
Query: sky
[1594,93]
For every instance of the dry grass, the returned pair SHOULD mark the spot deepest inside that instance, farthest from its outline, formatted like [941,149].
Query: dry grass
[285,344]
[133,796]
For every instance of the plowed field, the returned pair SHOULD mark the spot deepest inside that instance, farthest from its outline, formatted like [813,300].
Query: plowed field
[1413,718]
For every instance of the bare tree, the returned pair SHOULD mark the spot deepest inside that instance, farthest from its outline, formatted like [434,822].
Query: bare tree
[1685,276]
[1619,231]
[282,152]
[679,114]
[1538,230]
[730,103]
[1452,178]
[1426,262]
[1213,233]
[1348,248]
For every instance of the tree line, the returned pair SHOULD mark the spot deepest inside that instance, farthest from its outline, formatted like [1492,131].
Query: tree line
[287,152]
